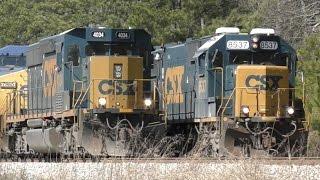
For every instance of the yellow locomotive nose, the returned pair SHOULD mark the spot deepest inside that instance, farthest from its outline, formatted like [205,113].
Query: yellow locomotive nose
[114,84]
[261,91]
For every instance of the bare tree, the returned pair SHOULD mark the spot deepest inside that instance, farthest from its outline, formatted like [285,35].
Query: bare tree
[292,19]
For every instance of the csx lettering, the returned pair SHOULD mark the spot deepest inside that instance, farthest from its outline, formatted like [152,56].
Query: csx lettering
[50,79]
[108,87]
[263,82]
[173,85]
[202,85]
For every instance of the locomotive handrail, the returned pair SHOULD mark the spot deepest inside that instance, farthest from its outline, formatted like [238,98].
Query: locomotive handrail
[14,108]
[232,93]
[27,99]
[222,84]
[85,94]
[258,90]
[73,98]
[115,84]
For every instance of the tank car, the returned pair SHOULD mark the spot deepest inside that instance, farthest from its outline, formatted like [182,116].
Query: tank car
[235,90]
[89,92]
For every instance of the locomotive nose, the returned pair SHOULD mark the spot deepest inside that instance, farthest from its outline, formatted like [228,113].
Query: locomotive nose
[263,90]
[114,83]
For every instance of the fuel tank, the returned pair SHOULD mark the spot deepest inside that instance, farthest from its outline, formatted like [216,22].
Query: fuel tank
[44,140]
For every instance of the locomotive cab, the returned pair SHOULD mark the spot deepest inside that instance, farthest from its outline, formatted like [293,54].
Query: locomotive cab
[117,85]
[249,77]
[263,77]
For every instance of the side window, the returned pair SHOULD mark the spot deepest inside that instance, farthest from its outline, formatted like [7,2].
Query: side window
[201,63]
[216,59]
[73,54]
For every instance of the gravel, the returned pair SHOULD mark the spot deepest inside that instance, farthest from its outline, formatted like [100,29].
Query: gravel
[244,169]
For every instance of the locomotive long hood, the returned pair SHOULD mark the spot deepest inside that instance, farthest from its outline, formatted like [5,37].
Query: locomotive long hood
[263,89]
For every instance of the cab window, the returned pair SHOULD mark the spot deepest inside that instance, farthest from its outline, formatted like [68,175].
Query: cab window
[73,55]
[216,58]
[101,49]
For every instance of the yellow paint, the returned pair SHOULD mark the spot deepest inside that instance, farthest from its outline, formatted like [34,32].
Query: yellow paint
[102,73]
[260,88]
[173,89]
[202,85]
[50,80]
[15,96]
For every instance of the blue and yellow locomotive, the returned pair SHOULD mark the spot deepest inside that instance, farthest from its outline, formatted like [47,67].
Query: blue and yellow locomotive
[89,92]
[237,88]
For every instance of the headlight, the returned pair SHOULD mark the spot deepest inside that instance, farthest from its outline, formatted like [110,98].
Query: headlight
[290,110]
[147,102]
[102,101]
[157,56]
[255,39]
[245,109]
[255,45]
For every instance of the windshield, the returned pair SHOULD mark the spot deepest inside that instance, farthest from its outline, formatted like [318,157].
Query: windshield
[264,58]
[110,49]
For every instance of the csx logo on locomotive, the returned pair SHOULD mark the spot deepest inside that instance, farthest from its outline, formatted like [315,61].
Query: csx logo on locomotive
[122,87]
[263,82]
[173,85]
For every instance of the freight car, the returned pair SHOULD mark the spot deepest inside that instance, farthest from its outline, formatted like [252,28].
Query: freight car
[89,92]
[236,90]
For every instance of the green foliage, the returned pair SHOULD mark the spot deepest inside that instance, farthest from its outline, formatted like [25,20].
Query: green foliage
[309,54]
[167,20]
[310,49]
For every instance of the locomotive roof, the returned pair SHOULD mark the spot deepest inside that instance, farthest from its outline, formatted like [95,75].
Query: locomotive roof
[205,43]
[85,33]
[82,37]
[13,50]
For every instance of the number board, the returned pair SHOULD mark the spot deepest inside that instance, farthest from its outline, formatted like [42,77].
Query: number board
[122,35]
[269,45]
[8,85]
[237,45]
[117,71]
[98,34]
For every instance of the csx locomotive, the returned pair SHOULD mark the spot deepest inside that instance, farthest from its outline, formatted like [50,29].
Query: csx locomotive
[237,89]
[88,91]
